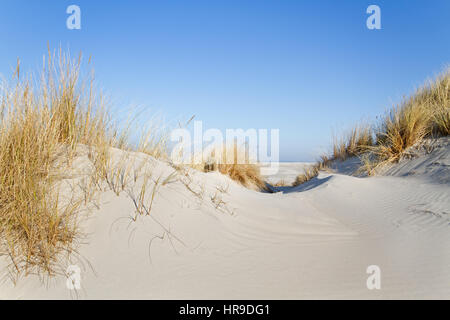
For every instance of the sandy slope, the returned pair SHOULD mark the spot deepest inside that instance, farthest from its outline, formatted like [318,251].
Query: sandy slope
[312,241]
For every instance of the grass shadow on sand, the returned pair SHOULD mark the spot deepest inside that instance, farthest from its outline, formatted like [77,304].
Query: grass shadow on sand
[311,184]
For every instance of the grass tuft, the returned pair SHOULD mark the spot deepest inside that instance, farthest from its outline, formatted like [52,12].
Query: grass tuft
[43,122]
[235,163]
[425,114]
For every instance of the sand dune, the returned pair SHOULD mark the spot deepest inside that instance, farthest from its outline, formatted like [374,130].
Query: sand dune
[208,237]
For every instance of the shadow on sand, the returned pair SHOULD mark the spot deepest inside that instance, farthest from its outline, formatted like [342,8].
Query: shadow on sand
[311,184]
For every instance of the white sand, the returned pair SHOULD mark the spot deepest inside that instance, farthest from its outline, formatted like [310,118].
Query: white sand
[314,241]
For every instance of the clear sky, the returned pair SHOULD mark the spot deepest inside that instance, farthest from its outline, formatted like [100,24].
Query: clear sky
[309,68]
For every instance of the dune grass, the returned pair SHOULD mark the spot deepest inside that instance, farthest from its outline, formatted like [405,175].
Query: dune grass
[354,143]
[247,174]
[308,174]
[235,163]
[425,114]
[43,120]
[40,123]
[312,171]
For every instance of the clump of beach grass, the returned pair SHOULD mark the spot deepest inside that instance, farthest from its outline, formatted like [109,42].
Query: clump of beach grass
[36,121]
[424,114]
[355,143]
[234,161]
[312,171]
[43,120]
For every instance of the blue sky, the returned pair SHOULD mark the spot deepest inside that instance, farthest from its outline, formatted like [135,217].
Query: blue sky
[309,68]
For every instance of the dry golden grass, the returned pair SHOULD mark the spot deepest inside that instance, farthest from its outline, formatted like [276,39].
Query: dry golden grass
[39,124]
[353,144]
[246,174]
[426,113]
[43,120]
[235,163]
[311,172]
[441,120]
[281,183]
[308,174]
[153,140]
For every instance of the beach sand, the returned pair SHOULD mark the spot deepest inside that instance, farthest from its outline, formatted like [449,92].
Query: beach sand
[220,240]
